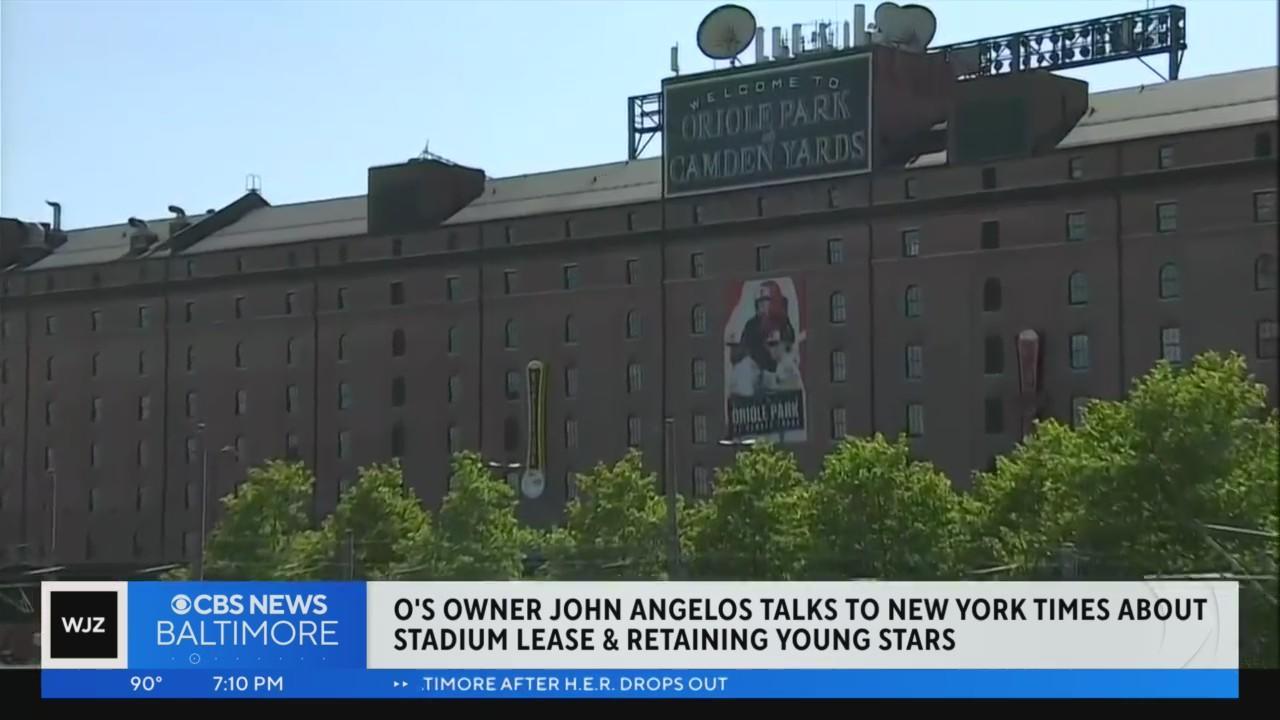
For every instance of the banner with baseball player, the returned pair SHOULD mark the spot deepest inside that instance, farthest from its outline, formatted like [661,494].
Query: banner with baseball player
[764,382]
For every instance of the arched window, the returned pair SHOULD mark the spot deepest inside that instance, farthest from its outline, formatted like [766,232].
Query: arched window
[837,308]
[570,329]
[913,301]
[342,348]
[397,342]
[991,295]
[291,351]
[633,324]
[510,334]
[1077,289]
[698,320]
[1170,282]
[1264,272]
[239,355]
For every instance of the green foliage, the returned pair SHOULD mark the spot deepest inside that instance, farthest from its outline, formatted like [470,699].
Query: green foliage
[756,524]
[878,514]
[480,537]
[615,529]
[261,524]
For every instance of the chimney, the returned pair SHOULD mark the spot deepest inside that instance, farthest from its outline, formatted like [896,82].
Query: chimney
[57,214]
[859,25]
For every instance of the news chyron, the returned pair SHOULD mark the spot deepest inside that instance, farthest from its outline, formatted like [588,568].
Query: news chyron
[660,640]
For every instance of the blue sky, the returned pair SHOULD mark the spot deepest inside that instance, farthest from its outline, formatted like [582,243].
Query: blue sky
[123,108]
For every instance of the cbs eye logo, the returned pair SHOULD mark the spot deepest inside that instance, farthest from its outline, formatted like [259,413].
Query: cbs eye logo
[180,604]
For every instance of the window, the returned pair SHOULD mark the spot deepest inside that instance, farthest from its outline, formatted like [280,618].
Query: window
[839,424]
[1077,289]
[839,366]
[342,348]
[1262,145]
[508,234]
[915,419]
[142,362]
[1171,344]
[759,206]
[1079,351]
[455,388]
[1267,333]
[762,258]
[238,307]
[95,279]
[633,271]
[697,265]
[1170,281]
[191,358]
[188,311]
[344,396]
[140,455]
[144,407]
[1264,206]
[291,398]
[698,320]
[911,242]
[397,247]
[240,355]
[50,413]
[1075,168]
[4,414]
[698,370]
[569,279]
[836,310]
[290,299]
[1166,217]
[242,402]
[341,301]
[50,324]
[508,282]
[570,381]
[398,392]
[241,450]
[913,301]
[701,482]
[1078,408]
[993,355]
[835,251]
[397,293]
[1164,157]
[290,352]
[95,316]
[633,324]
[1077,226]
[452,288]
[453,439]
[4,372]
[511,339]
[397,343]
[291,447]
[988,178]
[49,460]
[510,434]
[697,214]
[833,197]
[570,329]
[144,317]
[993,416]
[454,340]
[93,462]
[990,234]
[915,362]
[4,324]
[570,486]
[570,433]
[95,409]
[48,368]
[344,444]
[1264,272]
[633,430]
[631,221]
[192,450]
[513,385]
[910,188]
[699,428]
[991,295]
[93,364]
[635,377]
[192,404]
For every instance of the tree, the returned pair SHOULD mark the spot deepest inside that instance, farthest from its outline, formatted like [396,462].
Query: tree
[379,524]
[614,529]
[878,514]
[261,524]
[755,526]
[1136,488]
[480,537]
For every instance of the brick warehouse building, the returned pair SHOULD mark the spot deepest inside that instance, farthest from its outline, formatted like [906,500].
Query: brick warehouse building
[345,331]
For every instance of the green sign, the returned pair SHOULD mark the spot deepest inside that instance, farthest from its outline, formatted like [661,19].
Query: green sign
[767,124]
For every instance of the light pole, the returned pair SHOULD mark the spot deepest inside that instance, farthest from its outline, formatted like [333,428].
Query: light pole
[52,474]
[669,481]
[204,493]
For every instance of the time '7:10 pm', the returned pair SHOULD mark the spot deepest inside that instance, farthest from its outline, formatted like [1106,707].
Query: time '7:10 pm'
[245,683]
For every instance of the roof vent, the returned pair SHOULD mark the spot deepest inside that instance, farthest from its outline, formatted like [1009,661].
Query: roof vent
[179,220]
[141,238]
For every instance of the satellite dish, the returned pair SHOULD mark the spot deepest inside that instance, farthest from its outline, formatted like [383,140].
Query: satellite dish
[910,27]
[726,31]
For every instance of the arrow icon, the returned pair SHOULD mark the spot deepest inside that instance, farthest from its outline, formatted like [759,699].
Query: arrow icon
[399,683]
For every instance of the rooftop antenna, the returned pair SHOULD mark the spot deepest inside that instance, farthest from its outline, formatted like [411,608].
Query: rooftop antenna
[253,183]
[675,59]
[725,32]
[908,27]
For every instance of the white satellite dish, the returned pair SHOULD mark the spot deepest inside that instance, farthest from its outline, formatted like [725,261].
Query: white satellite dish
[910,27]
[726,31]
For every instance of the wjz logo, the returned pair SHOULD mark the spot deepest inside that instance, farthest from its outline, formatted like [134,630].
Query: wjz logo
[82,624]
